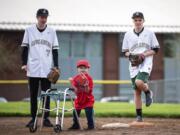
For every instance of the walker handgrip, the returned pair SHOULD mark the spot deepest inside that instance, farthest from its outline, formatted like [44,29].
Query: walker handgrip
[52,90]
[71,89]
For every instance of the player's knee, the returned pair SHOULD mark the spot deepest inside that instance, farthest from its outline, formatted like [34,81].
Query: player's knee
[137,92]
[139,84]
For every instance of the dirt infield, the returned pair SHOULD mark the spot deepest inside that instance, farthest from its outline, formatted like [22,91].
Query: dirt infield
[16,126]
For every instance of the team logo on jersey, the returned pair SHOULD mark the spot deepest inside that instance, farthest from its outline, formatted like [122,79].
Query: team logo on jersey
[44,11]
[41,42]
[139,45]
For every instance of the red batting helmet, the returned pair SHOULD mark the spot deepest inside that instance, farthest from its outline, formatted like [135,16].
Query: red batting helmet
[83,63]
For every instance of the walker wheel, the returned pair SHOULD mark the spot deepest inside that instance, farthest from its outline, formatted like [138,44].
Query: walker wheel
[32,129]
[57,128]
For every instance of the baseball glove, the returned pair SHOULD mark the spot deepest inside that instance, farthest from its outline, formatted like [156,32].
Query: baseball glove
[136,59]
[53,75]
[81,80]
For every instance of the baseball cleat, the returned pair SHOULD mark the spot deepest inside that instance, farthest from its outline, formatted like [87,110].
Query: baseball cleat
[47,123]
[139,119]
[149,98]
[90,128]
[74,127]
[30,123]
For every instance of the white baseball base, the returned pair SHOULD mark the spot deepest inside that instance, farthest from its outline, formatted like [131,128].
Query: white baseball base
[115,125]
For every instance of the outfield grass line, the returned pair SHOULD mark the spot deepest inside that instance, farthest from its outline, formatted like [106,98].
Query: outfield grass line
[101,110]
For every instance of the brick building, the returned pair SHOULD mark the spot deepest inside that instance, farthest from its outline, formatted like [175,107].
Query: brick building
[91,29]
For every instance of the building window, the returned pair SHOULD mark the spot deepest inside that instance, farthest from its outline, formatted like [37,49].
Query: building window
[171,45]
[77,44]
[64,43]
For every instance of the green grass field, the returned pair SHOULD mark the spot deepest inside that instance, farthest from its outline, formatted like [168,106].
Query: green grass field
[101,110]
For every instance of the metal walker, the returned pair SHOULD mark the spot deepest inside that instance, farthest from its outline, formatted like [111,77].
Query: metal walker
[56,95]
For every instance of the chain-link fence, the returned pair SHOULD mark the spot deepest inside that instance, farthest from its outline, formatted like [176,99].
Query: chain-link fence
[165,91]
